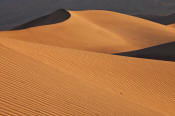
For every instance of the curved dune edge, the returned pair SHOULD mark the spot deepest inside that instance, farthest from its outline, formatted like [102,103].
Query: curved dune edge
[57,16]
[99,31]
[54,80]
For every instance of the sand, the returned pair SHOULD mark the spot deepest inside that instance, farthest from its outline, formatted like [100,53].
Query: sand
[66,69]
[172,25]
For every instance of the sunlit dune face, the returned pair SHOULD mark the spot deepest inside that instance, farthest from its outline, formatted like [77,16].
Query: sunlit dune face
[172,25]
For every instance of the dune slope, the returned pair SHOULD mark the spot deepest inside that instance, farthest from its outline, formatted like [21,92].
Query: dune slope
[52,18]
[172,25]
[75,82]
[99,31]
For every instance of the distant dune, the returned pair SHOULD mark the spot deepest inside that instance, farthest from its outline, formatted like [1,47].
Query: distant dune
[17,12]
[69,68]
[166,20]
[100,31]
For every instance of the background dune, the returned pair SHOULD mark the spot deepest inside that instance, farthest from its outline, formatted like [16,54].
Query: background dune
[166,20]
[53,18]
[99,31]
[68,68]
[17,12]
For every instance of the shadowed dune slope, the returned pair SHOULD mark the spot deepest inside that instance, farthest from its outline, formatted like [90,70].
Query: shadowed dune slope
[160,52]
[39,79]
[55,17]
[166,20]
[99,31]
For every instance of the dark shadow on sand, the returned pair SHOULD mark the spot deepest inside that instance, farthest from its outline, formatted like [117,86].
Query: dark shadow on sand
[166,20]
[53,18]
[165,52]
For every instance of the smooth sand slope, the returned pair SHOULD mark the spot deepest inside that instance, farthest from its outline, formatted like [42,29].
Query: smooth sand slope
[172,25]
[62,70]
[40,79]
[99,31]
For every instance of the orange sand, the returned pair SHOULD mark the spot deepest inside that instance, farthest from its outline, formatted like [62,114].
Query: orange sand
[172,25]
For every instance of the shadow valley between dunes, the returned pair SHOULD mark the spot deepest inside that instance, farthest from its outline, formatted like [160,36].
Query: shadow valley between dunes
[163,52]
[166,20]
[53,18]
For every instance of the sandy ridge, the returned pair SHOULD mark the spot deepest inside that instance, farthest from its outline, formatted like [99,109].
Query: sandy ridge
[95,33]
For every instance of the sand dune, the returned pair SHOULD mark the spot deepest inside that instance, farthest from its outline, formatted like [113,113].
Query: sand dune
[89,30]
[54,80]
[17,12]
[64,69]
[53,18]
[166,20]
